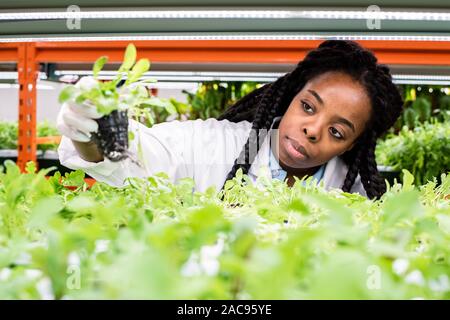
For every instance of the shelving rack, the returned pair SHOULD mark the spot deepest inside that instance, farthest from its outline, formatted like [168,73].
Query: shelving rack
[268,38]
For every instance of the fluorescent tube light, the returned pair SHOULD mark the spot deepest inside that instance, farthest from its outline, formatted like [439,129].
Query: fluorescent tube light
[87,37]
[230,14]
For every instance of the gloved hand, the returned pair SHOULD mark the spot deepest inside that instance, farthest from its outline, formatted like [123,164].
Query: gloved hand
[76,121]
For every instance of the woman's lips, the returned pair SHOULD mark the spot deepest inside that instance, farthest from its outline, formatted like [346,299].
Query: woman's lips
[296,150]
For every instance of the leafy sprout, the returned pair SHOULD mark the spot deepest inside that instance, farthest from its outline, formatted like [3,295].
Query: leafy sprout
[107,96]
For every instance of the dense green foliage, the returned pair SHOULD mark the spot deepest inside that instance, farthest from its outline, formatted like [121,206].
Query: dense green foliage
[155,240]
[424,151]
[423,104]
[212,98]
[9,134]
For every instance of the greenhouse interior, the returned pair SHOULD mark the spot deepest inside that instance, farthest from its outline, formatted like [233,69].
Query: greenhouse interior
[224,150]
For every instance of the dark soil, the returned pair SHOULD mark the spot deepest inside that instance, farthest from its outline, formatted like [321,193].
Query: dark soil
[112,135]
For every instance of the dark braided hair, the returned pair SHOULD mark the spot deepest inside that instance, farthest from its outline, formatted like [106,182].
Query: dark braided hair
[272,100]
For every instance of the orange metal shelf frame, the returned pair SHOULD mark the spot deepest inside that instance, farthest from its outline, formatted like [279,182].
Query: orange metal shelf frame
[29,55]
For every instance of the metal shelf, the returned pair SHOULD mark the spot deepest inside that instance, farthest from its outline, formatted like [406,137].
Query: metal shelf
[268,43]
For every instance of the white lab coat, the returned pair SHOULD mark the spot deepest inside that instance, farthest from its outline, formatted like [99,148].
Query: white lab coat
[204,150]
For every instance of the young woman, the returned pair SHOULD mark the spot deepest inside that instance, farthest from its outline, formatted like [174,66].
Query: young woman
[322,119]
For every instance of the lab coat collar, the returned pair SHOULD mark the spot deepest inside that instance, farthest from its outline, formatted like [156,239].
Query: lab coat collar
[260,166]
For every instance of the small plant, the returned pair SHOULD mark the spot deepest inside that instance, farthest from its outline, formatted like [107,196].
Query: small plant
[116,99]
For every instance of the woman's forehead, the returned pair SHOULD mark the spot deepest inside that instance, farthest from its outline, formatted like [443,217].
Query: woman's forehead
[336,88]
[340,95]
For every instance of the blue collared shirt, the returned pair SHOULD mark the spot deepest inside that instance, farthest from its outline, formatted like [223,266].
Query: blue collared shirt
[279,173]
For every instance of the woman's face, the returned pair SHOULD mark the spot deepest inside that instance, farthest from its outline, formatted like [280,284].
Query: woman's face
[323,120]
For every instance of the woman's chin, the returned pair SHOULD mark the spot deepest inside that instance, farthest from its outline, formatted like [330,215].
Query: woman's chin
[287,162]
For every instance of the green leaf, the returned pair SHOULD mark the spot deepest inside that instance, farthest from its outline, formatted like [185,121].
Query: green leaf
[81,98]
[403,206]
[160,103]
[343,275]
[170,108]
[142,66]
[30,167]
[299,206]
[44,210]
[408,180]
[106,109]
[444,223]
[148,116]
[98,65]
[75,178]
[81,203]
[129,58]
[67,94]
[339,214]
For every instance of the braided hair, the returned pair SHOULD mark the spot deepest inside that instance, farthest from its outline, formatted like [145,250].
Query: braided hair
[261,106]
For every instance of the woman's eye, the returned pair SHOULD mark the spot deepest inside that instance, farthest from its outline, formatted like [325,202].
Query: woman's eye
[307,107]
[336,133]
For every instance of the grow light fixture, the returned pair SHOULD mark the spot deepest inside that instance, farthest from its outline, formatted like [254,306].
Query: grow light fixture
[238,36]
[417,79]
[229,14]
[16,86]
[12,75]
[261,77]
[184,76]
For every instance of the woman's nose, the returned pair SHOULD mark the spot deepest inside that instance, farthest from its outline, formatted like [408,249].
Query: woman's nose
[311,135]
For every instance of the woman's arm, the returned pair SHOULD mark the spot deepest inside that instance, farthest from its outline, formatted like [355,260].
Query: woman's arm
[204,150]
[153,150]
[88,151]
